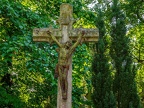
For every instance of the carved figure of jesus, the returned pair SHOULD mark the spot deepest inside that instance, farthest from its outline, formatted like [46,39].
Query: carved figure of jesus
[65,51]
[62,67]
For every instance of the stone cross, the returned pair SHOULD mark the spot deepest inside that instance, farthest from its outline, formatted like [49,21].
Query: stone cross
[63,37]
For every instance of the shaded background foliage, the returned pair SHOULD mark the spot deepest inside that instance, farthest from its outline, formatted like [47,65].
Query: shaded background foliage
[27,67]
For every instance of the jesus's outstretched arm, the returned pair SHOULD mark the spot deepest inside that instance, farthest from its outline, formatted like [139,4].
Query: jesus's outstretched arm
[76,43]
[54,39]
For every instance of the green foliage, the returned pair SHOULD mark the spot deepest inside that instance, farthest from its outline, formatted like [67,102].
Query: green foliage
[124,83]
[81,75]
[23,59]
[101,77]
[110,101]
[9,99]
[134,10]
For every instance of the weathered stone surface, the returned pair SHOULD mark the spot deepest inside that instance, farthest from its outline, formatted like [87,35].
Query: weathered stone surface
[41,34]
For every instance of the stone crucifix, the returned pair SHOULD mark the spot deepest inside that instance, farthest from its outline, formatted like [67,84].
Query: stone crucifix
[63,38]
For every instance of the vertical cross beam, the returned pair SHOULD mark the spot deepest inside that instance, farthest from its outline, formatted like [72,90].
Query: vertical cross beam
[61,36]
[65,20]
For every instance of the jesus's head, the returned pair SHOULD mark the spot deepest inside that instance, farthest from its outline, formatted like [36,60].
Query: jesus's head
[68,44]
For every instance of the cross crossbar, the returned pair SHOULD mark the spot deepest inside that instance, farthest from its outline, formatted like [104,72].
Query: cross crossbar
[42,35]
